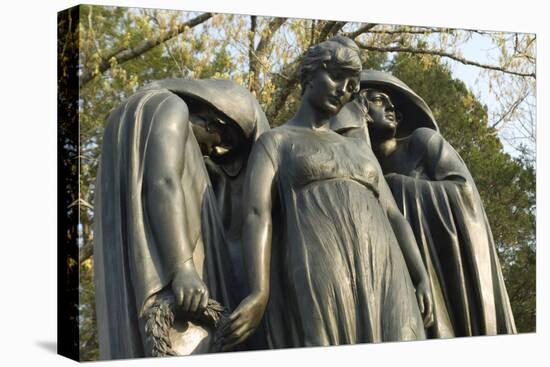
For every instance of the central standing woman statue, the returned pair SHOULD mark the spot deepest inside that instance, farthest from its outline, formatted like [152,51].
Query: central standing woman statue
[329,256]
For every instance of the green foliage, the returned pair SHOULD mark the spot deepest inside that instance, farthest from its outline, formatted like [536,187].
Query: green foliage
[521,282]
[89,347]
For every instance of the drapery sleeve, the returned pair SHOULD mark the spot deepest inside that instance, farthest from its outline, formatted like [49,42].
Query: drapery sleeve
[456,243]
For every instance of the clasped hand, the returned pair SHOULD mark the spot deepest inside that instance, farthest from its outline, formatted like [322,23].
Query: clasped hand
[189,290]
[243,321]
[425,302]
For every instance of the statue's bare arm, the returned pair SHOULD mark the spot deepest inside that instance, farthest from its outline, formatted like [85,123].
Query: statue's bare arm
[165,201]
[256,240]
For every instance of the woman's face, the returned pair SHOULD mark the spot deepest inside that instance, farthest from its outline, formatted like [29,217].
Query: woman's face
[382,111]
[217,137]
[331,87]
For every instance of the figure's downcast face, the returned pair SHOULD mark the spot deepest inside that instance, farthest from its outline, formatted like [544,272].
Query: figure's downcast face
[218,137]
[329,74]
[382,111]
[332,87]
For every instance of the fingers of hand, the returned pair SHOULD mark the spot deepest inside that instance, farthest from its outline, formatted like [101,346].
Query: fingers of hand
[429,312]
[194,304]
[187,299]
[420,299]
[429,321]
[235,315]
[204,301]
[236,338]
[179,297]
[192,299]
[232,326]
[429,305]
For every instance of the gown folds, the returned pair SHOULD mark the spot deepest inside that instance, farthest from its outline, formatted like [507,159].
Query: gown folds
[437,194]
[338,275]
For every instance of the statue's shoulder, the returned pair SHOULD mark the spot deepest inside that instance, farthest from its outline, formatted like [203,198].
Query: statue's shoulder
[274,136]
[423,135]
[275,141]
[150,110]
[421,142]
[422,138]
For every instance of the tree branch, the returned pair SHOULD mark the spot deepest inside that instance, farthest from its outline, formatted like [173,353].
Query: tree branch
[80,202]
[443,54]
[256,56]
[85,252]
[363,29]
[330,29]
[511,110]
[128,53]
[336,27]
[267,35]
[413,31]
[284,88]
[252,61]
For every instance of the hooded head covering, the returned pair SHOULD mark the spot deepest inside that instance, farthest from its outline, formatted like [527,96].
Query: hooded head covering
[414,109]
[229,99]
[225,96]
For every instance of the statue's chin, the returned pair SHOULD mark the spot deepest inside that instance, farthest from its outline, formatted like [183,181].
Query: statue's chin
[220,151]
[223,155]
[383,133]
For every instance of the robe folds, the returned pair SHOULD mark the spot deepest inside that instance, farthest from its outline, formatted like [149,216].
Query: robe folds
[436,193]
[451,228]
[129,268]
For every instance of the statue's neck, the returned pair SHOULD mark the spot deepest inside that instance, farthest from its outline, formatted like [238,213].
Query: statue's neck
[309,116]
[384,148]
[386,152]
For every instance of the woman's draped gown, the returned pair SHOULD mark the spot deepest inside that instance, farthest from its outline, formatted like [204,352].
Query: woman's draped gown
[338,275]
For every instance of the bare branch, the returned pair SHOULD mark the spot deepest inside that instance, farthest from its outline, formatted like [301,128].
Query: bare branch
[155,18]
[337,27]
[330,29]
[511,110]
[251,56]
[256,56]
[128,53]
[312,32]
[285,86]
[80,202]
[82,157]
[443,54]
[363,29]
[413,31]
[92,32]
[267,34]
[86,252]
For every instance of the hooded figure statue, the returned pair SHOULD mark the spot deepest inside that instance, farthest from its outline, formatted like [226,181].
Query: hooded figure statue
[162,256]
[436,193]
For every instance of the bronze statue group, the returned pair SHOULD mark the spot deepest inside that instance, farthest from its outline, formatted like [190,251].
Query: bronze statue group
[354,222]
